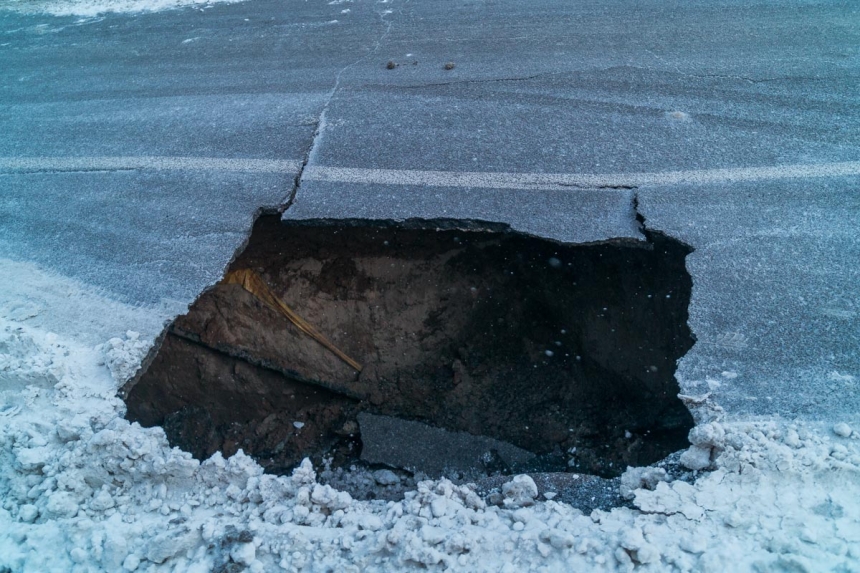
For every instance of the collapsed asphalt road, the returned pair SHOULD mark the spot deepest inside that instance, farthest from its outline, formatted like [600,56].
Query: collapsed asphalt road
[137,151]
[138,165]
[563,355]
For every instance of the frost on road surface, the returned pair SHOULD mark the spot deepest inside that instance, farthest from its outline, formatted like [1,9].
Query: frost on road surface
[90,8]
[84,489]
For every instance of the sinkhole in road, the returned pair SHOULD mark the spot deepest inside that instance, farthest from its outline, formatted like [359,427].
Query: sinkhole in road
[429,346]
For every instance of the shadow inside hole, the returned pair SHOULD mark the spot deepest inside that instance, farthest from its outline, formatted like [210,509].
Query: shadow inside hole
[565,353]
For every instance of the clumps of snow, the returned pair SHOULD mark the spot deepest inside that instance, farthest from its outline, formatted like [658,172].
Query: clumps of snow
[521,491]
[83,489]
[123,356]
[90,8]
[21,362]
[842,430]
[641,478]
[304,474]
[706,440]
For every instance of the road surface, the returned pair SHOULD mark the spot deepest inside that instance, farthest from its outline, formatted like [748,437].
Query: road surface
[137,149]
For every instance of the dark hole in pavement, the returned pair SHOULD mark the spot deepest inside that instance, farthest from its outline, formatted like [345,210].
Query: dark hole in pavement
[483,352]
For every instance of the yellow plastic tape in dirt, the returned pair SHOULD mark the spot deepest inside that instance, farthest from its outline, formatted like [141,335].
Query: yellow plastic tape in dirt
[253,283]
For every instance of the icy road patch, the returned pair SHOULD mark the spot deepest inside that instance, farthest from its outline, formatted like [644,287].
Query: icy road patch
[84,490]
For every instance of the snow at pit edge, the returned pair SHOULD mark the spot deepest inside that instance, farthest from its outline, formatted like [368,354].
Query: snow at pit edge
[82,489]
[92,8]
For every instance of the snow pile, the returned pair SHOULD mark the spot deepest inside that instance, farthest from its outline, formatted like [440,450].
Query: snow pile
[83,489]
[91,8]
[21,364]
[123,356]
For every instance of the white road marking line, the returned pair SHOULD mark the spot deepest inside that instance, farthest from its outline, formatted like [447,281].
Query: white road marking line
[560,181]
[25,164]
[457,179]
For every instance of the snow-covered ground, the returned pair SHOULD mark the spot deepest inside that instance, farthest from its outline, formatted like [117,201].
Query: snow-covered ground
[84,490]
[89,8]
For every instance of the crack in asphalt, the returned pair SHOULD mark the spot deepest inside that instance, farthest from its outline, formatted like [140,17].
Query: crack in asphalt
[321,120]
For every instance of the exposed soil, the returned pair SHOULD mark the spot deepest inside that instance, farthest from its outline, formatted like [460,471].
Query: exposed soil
[547,347]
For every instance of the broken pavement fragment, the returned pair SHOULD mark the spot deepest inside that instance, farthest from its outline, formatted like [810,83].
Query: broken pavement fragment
[251,282]
[434,451]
